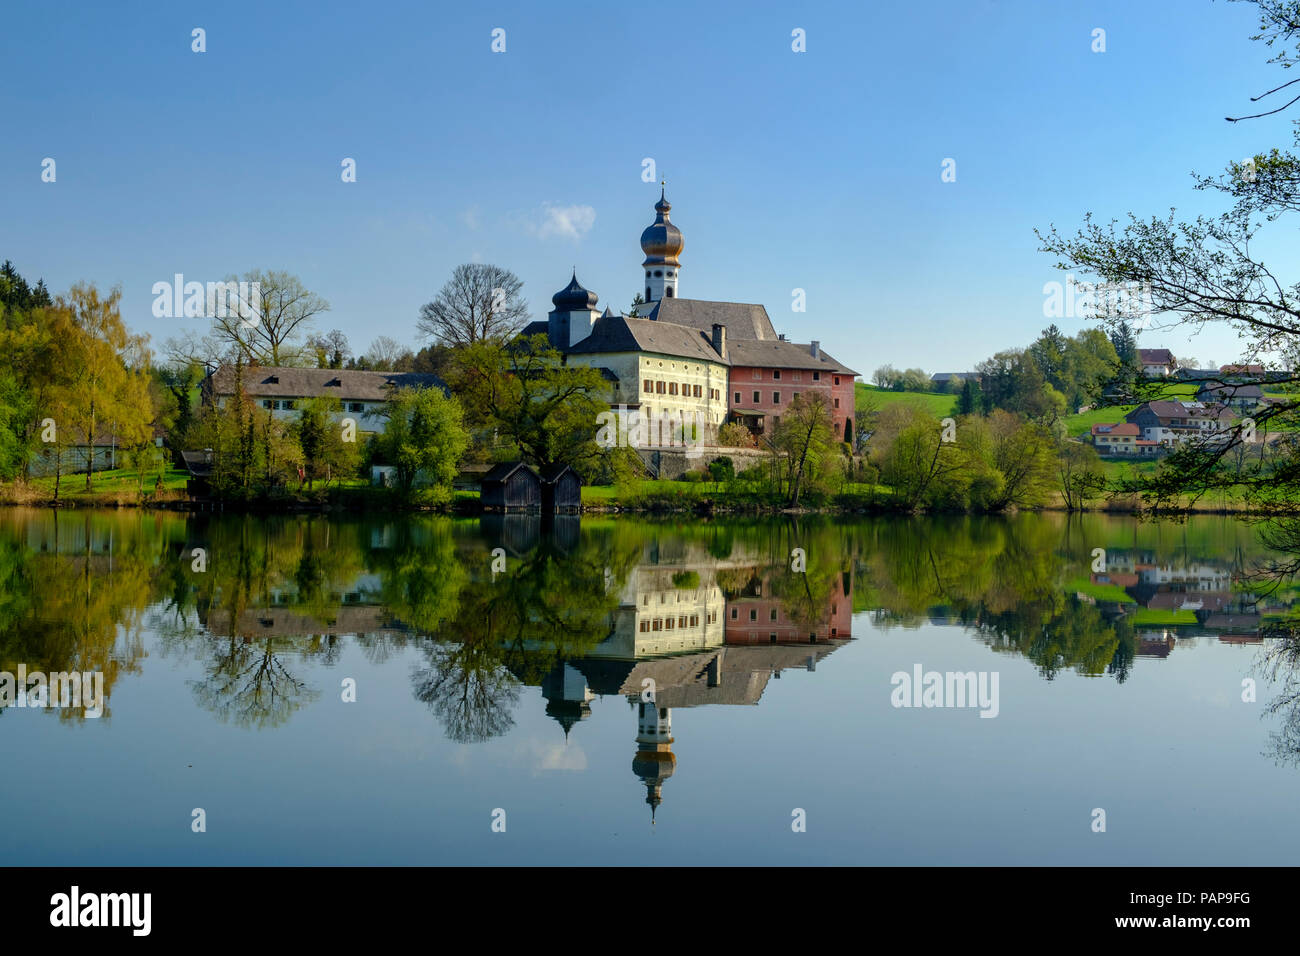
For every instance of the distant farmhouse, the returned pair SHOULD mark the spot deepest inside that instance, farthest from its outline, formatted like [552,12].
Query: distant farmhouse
[1157,363]
[1171,422]
[1124,438]
[1157,427]
[363,396]
[952,381]
[714,362]
[1243,398]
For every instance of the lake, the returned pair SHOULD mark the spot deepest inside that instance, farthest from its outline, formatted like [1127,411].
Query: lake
[309,689]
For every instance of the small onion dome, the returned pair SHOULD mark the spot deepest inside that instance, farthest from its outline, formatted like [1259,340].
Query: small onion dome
[662,241]
[652,766]
[574,298]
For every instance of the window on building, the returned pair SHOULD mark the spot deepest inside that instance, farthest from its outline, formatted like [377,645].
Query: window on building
[659,388]
[758,398]
[649,386]
[647,293]
[776,375]
[644,627]
[837,380]
[355,406]
[669,292]
[267,403]
[672,388]
[657,625]
[798,376]
[753,614]
[773,615]
[659,272]
[668,624]
[837,403]
[686,388]
[737,399]
[794,396]
[734,613]
[776,398]
[817,376]
[757,375]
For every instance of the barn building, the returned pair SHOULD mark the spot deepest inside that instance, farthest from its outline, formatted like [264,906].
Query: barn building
[512,486]
[561,489]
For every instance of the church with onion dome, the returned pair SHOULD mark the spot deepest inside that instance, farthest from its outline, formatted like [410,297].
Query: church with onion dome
[694,361]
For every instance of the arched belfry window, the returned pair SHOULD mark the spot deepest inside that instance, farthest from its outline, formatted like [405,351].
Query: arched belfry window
[669,292]
[647,293]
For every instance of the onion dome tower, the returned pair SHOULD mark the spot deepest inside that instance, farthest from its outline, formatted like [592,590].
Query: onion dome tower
[654,761]
[662,244]
[573,316]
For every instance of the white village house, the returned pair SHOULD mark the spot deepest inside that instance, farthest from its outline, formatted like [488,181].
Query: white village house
[363,396]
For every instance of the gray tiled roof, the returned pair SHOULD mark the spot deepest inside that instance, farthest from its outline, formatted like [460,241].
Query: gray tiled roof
[743,320]
[264,381]
[618,333]
[778,354]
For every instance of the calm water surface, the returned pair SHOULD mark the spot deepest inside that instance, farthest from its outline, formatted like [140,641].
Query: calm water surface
[500,665]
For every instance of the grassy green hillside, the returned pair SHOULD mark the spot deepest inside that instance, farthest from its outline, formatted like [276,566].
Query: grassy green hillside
[868,396]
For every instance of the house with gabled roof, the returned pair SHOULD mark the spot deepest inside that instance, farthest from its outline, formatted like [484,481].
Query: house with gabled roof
[1172,422]
[1157,363]
[1240,396]
[363,396]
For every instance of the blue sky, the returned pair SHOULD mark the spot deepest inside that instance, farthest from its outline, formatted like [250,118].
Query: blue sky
[816,170]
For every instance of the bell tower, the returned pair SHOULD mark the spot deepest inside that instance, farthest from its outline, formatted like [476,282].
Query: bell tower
[662,244]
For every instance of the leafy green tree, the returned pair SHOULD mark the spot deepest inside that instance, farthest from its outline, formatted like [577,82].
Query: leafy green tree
[1079,474]
[805,437]
[526,393]
[424,441]
[327,453]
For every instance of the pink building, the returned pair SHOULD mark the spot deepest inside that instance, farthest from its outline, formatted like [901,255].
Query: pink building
[767,375]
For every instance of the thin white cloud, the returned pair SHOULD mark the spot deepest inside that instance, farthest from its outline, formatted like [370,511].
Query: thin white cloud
[566,222]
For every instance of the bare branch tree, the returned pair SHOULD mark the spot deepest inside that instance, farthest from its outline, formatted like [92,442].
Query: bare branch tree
[269,326]
[478,303]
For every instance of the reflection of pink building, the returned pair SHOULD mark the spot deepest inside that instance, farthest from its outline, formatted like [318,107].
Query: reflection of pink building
[757,616]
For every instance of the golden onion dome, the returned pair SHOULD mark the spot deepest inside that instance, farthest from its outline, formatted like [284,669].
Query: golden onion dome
[662,241]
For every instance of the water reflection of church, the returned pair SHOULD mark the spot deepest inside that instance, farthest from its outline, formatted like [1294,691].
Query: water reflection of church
[679,640]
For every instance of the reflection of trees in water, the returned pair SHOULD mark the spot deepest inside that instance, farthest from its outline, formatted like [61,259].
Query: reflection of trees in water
[248,684]
[1280,666]
[1071,635]
[468,688]
[72,595]
[483,634]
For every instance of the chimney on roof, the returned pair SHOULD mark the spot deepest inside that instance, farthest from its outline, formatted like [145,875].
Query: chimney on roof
[815,349]
[720,339]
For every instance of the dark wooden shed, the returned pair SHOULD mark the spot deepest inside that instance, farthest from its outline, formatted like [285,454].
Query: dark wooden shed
[511,486]
[561,489]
